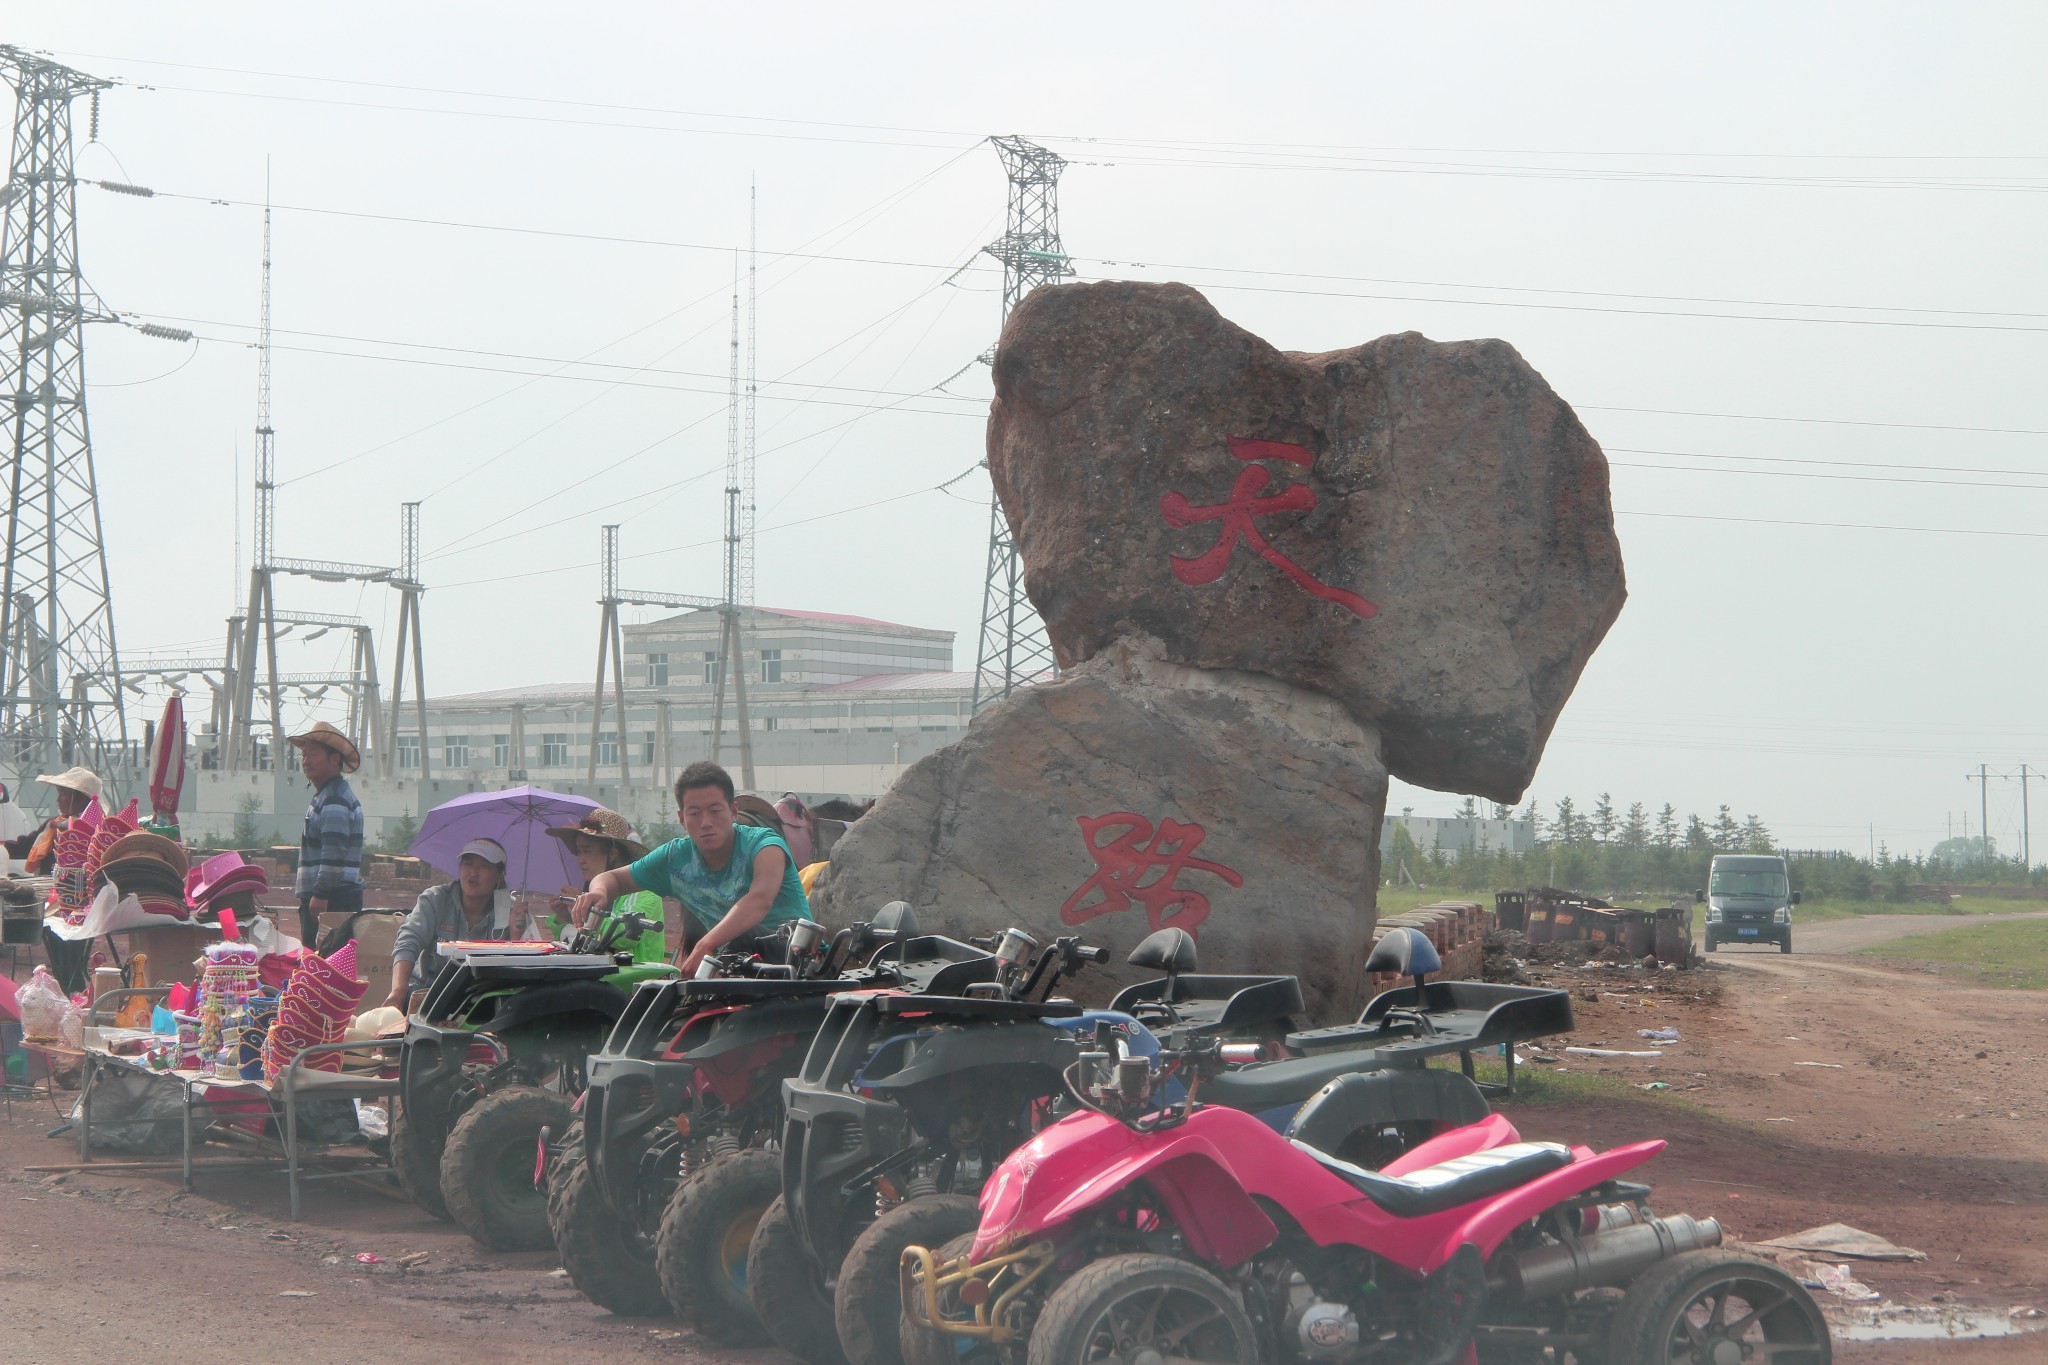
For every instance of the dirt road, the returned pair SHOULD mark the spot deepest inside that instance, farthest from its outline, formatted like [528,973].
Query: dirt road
[1805,1090]
[1839,936]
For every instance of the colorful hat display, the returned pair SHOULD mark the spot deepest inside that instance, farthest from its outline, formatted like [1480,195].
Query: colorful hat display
[221,876]
[317,1006]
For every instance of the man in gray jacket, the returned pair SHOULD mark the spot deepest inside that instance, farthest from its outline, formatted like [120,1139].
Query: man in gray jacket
[475,905]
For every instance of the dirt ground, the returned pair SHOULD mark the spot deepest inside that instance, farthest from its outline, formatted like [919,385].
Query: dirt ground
[1921,1122]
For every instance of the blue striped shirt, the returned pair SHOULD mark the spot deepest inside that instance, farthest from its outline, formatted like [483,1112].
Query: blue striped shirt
[331,849]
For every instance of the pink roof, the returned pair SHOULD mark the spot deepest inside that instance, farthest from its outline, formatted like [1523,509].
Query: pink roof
[841,619]
[903,682]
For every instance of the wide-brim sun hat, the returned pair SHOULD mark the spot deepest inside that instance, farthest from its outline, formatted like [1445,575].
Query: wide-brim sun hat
[84,781]
[603,824]
[328,737]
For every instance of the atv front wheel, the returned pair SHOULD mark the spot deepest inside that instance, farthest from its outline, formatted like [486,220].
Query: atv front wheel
[608,1257]
[1143,1306]
[867,1300]
[418,1138]
[787,1295]
[701,1250]
[487,1171]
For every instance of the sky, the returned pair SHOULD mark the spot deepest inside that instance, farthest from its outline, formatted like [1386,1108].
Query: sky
[1784,261]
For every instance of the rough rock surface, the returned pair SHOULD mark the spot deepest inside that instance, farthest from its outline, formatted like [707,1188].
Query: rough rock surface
[1275,796]
[1445,516]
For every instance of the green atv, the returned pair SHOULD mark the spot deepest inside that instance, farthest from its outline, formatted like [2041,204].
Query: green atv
[495,1054]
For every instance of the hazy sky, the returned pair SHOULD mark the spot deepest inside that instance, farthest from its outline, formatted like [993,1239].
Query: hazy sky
[1785,260]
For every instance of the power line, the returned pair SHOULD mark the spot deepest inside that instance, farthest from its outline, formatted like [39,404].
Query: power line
[1838,525]
[1844,464]
[1806,474]
[1818,421]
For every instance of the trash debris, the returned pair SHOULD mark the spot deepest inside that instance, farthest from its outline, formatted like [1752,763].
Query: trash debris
[278,1236]
[662,1334]
[1608,1052]
[1778,1120]
[412,1258]
[368,1258]
[1940,1322]
[1654,1085]
[1832,1066]
[1662,1035]
[296,1294]
[558,1273]
[1839,1281]
[1839,1239]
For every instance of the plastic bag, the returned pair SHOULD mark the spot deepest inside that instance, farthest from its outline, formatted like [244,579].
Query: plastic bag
[44,1006]
[133,1112]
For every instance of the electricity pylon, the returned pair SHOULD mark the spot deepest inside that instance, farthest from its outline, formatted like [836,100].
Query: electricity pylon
[611,646]
[1013,648]
[60,673]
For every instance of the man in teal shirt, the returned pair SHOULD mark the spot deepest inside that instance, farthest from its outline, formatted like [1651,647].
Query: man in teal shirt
[738,882]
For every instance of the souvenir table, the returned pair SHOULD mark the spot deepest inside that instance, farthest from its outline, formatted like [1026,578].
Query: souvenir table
[227,1096]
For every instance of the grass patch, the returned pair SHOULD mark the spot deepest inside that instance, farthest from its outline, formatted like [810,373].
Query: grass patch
[1545,1085]
[2013,956]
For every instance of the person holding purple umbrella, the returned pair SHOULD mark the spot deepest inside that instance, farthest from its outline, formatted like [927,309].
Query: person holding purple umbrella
[474,906]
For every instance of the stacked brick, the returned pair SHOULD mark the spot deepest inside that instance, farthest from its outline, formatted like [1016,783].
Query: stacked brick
[1456,928]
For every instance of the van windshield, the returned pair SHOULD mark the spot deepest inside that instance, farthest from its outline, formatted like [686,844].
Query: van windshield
[1747,881]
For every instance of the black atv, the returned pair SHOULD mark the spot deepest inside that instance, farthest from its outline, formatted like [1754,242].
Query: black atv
[495,1053]
[691,1073]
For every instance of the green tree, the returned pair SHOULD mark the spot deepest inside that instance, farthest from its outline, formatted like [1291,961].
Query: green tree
[1565,825]
[1697,838]
[1667,827]
[1727,834]
[1635,831]
[1601,825]
[399,834]
[1469,811]
[1756,838]
[1401,854]
[246,833]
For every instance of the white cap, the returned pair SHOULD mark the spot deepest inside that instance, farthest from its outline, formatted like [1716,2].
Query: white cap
[490,850]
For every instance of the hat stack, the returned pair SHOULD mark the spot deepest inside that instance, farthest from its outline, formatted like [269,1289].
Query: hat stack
[317,1006]
[221,876]
[150,868]
[72,888]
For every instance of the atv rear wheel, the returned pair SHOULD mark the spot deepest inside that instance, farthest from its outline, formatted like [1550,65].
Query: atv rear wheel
[867,1300]
[487,1171]
[608,1257]
[1707,1305]
[418,1137]
[1143,1306]
[701,1250]
[786,1291]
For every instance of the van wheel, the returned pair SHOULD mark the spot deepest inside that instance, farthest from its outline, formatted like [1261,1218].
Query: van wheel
[1785,944]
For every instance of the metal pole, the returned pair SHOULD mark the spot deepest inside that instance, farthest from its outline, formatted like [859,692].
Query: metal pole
[2026,825]
[1984,808]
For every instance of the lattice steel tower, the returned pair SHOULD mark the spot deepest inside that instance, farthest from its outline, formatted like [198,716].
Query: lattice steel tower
[60,675]
[1013,649]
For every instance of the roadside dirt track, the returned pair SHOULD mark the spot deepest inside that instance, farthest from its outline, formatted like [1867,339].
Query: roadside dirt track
[1922,1124]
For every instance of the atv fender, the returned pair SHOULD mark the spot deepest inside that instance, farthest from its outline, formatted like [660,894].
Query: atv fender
[558,1001]
[1494,1220]
[1095,1159]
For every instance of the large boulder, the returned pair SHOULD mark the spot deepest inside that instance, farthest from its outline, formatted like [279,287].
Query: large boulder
[1132,794]
[1419,529]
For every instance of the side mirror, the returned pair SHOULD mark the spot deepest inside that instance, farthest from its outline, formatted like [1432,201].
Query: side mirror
[897,918]
[1171,951]
[1795,898]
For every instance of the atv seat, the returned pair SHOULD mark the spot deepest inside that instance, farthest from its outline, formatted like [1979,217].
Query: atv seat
[1446,1185]
[1268,1085]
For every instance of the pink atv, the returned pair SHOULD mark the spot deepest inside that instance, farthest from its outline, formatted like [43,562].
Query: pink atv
[1149,1235]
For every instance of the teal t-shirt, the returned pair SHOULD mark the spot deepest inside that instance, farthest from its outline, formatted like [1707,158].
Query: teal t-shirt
[675,869]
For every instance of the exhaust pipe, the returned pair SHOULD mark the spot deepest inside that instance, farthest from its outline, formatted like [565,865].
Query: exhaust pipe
[1598,1258]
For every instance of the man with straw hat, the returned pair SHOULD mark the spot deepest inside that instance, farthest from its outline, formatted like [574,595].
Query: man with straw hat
[331,848]
[75,788]
[601,841]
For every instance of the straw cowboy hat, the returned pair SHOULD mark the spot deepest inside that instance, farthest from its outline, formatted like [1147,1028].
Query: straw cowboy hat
[604,824]
[81,780]
[327,737]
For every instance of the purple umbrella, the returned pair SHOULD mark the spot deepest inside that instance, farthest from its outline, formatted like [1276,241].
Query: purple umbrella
[519,819]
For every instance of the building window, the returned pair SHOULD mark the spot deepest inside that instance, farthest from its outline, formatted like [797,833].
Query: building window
[501,751]
[771,665]
[607,748]
[880,729]
[455,751]
[768,722]
[657,670]
[554,751]
[408,751]
[647,750]
[710,667]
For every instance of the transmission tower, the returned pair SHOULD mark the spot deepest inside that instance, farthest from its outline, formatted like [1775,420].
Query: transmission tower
[739,555]
[407,581]
[611,647]
[60,674]
[253,635]
[1013,648]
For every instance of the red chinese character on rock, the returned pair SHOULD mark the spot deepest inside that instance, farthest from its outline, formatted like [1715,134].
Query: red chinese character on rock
[1136,863]
[1247,502]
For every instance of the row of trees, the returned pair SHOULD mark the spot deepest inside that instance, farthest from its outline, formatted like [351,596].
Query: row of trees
[1607,850]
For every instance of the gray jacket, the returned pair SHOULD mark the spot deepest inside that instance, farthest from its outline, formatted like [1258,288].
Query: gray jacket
[437,918]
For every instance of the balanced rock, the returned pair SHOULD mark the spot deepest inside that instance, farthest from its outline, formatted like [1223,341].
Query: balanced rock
[1134,794]
[1419,529]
